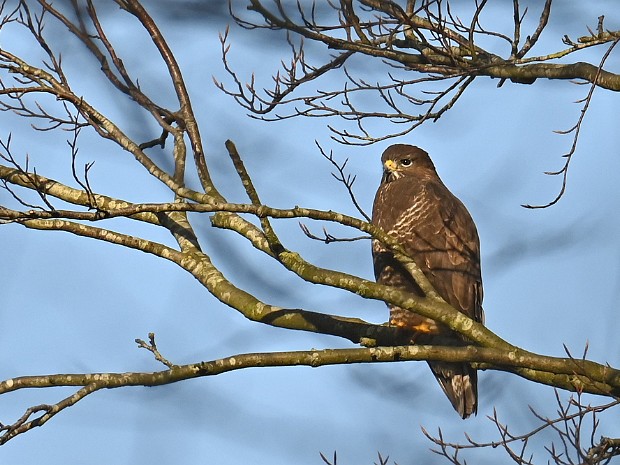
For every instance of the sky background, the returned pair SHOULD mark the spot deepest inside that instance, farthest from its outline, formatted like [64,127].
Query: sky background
[69,304]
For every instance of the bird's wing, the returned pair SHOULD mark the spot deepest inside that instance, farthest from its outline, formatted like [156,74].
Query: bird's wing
[447,248]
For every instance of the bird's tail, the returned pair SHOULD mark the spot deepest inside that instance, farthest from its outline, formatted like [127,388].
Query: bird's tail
[460,383]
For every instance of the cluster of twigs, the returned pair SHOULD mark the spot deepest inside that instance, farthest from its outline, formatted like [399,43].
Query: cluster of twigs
[424,56]
[574,438]
[575,427]
[426,40]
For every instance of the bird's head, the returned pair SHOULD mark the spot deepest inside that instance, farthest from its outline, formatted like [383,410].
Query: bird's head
[405,160]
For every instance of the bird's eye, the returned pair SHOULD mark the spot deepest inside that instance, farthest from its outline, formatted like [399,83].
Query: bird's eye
[405,162]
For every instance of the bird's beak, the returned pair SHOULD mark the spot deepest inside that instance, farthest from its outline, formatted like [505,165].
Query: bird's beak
[389,168]
[390,165]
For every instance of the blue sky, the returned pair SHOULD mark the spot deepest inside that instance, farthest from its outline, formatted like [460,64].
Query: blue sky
[69,304]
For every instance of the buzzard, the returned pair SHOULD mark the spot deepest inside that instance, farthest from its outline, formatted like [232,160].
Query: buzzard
[437,232]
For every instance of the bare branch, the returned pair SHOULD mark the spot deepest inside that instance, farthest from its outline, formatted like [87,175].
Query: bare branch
[344,178]
[151,346]
[95,381]
[327,237]
[25,423]
[576,129]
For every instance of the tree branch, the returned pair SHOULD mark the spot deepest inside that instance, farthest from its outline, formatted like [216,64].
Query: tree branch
[561,371]
[429,41]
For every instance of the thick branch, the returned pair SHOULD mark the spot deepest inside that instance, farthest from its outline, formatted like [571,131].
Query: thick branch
[560,371]
[570,71]
[487,359]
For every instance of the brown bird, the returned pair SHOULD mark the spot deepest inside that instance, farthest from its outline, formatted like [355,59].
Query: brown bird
[437,232]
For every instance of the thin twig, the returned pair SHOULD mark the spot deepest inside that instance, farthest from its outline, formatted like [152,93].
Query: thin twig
[576,130]
[327,237]
[151,346]
[344,178]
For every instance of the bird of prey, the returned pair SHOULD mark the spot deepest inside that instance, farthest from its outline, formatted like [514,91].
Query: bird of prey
[435,230]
